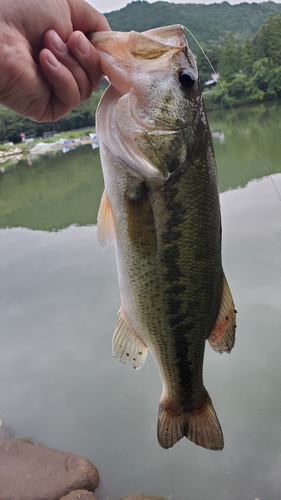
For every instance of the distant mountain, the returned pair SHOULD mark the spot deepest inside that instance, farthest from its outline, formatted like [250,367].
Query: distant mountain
[209,23]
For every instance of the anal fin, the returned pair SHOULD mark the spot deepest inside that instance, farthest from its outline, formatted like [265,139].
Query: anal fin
[126,346]
[105,221]
[222,338]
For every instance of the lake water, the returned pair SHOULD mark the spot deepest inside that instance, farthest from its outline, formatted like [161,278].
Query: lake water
[60,384]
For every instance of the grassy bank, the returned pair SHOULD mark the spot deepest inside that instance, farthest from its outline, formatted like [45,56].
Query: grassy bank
[71,134]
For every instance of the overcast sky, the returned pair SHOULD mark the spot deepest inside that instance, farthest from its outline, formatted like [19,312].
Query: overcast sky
[109,5]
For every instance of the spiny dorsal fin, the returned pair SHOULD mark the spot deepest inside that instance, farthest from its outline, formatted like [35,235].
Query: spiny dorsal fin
[222,337]
[126,346]
[105,222]
[200,426]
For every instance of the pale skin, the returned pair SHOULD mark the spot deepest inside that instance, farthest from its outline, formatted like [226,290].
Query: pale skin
[47,65]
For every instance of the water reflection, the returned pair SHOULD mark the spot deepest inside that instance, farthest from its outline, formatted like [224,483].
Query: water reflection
[52,193]
[60,384]
[57,191]
[251,147]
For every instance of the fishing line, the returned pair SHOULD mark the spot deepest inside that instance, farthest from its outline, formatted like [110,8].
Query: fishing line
[235,115]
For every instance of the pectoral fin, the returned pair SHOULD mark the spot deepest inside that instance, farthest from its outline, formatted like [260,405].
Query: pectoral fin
[105,222]
[222,337]
[141,227]
[126,346]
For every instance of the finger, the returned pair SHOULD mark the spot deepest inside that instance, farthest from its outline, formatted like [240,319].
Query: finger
[54,43]
[87,56]
[65,93]
[86,18]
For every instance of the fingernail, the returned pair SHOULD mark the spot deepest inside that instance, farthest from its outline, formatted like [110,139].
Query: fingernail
[83,46]
[52,59]
[59,44]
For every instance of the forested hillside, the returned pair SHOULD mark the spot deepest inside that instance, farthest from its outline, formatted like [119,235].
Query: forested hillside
[209,23]
[242,41]
[249,71]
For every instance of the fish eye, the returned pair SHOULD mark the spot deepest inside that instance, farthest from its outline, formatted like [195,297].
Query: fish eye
[187,78]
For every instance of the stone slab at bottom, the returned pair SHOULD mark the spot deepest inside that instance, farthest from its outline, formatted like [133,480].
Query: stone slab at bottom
[79,495]
[140,496]
[33,471]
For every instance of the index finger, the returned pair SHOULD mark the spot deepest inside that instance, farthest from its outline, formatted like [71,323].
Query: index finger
[87,19]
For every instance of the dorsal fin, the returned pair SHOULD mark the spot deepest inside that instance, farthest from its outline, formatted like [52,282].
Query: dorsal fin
[222,337]
[105,221]
[126,346]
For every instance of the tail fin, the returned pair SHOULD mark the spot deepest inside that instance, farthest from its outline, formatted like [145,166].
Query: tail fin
[200,426]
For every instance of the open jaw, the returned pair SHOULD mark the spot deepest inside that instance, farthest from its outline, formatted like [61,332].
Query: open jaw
[122,54]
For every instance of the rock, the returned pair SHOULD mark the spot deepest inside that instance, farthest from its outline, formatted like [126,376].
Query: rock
[79,495]
[32,471]
[140,496]
[5,432]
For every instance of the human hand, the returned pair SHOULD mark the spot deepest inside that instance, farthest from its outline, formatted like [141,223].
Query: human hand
[47,64]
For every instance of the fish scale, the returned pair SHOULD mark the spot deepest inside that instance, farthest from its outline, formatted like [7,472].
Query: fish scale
[161,206]
[190,289]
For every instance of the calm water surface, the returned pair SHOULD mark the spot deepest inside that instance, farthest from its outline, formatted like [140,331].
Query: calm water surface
[59,297]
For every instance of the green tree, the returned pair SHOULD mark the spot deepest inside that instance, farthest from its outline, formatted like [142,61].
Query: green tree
[203,58]
[229,63]
[267,42]
[274,85]
[261,74]
[203,67]
[238,88]
[247,57]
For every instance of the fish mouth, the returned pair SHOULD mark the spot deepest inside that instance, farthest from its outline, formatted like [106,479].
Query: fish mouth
[122,52]
[171,35]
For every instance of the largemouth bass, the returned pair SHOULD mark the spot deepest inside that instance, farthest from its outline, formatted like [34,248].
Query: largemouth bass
[161,206]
